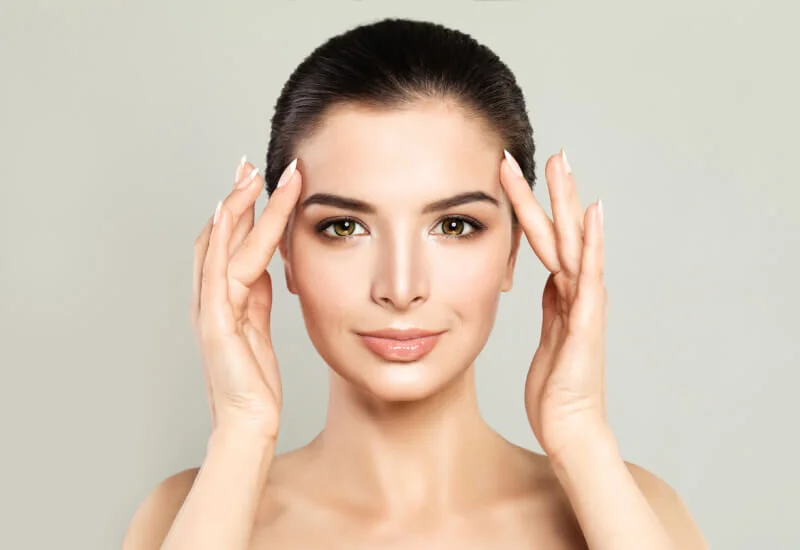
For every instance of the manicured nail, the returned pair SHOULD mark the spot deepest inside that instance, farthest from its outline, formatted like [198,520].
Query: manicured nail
[600,211]
[565,161]
[513,162]
[216,213]
[239,169]
[287,174]
[245,181]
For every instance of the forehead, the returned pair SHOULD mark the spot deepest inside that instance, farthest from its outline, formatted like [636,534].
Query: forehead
[425,150]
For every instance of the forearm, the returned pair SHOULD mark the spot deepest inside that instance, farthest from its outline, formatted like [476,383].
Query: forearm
[220,510]
[612,511]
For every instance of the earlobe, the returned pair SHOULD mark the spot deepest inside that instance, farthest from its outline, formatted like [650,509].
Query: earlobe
[508,280]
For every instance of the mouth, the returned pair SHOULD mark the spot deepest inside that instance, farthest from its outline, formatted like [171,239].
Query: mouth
[401,346]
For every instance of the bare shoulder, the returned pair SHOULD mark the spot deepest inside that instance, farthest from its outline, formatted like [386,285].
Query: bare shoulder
[154,517]
[669,507]
[663,499]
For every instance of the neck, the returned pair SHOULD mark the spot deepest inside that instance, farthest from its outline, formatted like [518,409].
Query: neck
[411,457]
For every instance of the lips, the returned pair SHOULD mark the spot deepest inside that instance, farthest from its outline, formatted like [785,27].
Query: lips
[402,346]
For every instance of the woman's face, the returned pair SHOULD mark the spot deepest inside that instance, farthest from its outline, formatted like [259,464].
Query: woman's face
[401,225]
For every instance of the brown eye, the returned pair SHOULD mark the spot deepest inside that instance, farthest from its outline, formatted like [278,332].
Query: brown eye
[341,228]
[459,227]
[453,226]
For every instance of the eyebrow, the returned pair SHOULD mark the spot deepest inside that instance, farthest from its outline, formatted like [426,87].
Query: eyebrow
[356,205]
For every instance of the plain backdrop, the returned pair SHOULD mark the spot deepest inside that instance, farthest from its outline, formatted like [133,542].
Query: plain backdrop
[121,126]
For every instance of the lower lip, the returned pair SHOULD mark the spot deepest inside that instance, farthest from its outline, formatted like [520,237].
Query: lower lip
[403,351]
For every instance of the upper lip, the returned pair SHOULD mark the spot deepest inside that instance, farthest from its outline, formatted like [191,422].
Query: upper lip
[401,333]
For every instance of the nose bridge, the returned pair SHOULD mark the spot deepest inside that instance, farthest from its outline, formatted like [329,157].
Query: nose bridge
[400,277]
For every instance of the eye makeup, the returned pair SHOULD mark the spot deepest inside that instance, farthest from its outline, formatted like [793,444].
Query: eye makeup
[346,227]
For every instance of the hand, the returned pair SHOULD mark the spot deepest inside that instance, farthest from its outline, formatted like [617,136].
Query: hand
[565,388]
[231,303]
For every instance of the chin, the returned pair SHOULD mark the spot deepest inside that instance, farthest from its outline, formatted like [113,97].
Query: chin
[396,382]
[402,382]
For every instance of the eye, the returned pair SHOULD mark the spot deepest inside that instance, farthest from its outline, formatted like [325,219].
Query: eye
[340,228]
[457,226]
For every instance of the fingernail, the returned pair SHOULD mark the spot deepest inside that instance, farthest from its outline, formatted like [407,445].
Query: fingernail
[514,164]
[239,169]
[565,161]
[287,174]
[600,211]
[245,181]
[216,213]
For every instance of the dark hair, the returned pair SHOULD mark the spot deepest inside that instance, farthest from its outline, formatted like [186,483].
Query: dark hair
[391,63]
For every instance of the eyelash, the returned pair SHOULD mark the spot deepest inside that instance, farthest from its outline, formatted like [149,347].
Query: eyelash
[477,227]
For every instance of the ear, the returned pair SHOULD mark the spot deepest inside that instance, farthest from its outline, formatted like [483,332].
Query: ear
[508,278]
[283,248]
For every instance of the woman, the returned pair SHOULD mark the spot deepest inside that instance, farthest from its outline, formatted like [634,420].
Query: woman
[400,173]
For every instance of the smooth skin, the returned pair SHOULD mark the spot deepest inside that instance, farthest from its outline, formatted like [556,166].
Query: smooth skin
[413,467]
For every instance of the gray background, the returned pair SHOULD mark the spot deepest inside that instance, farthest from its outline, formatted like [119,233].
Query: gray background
[122,126]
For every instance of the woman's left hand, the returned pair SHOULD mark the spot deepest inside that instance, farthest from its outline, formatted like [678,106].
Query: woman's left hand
[565,388]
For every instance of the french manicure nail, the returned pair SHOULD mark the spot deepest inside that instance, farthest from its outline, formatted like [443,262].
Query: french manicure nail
[513,162]
[287,174]
[245,181]
[600,210]
[565,161]
[216,213]
[239,168]
[248,179]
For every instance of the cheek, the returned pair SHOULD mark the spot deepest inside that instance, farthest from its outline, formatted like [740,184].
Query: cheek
[327,287]
[469,277]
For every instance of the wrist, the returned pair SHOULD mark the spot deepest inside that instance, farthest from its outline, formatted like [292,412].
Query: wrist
[583,445]
[259,429]
[241,439]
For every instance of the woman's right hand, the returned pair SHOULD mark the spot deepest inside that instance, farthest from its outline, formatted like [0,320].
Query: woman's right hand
[231,303]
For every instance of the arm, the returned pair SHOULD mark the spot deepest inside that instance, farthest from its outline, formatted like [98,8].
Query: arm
[619,505]
[216,509]
[230,311]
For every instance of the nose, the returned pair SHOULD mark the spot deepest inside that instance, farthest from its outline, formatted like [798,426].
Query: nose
[400,280]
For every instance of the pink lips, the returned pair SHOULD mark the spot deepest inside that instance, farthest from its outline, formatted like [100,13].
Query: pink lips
[401,346]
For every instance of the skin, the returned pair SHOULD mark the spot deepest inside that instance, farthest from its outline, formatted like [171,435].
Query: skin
[405,458]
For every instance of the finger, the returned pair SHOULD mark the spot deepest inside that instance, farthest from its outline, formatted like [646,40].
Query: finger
[590,300]
[200,248]
[237,201]
[216,315]
[244,193]
[255,253]
[536,224]
[567,213]
[245,221]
